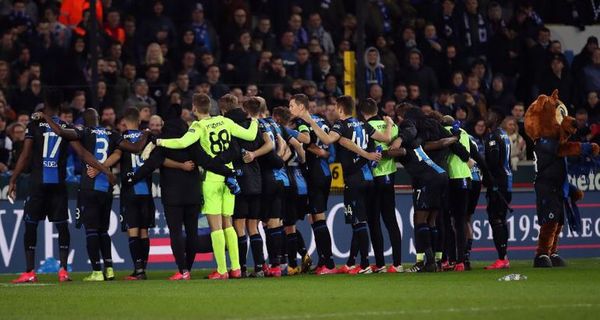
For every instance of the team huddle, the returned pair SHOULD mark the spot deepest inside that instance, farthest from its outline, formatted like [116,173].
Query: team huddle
[250,167]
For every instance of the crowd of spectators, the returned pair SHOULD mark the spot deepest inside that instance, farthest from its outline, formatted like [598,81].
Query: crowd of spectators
[459,58]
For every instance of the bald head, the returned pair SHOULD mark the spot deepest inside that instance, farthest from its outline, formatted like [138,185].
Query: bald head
[90,117]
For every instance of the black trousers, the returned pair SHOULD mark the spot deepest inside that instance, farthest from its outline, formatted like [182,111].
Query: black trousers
[458,201]
[184,246]
[381,204]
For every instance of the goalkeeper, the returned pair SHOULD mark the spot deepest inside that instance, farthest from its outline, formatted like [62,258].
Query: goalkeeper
[214,135]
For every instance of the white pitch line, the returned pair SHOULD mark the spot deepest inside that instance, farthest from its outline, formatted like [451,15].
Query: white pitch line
[420,311]
[24,285]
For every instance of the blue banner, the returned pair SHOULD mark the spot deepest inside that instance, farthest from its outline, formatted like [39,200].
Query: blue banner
[523,234]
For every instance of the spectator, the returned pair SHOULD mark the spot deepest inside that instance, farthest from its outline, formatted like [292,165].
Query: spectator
[156,124]
[22,118]
[103,99]
[5,146]
[517,143]
[591,73]
[583,133]
[287,50]
[495,20]
[230,35]
[5,81]
[458,83]
[331,11]
[213,77]
[182,86]
[374,70]
[449,23]
[113,27]
[145,115]
[407,43]
[432,47]
[478,133]
[518,112]
[388,58]
[158,22]
[156,87]
[19,18]
[331,113]
[132,48]
[384,15]
[263,32]
[338,58]
[592,106]
[376,93]
[330,87]
[400,93]
[108,117]
[444,103]
[474,93]
[115,52]
[461,113]
[556,76]
[72,11]
[16,133]
[324,69]
[584,58]
[118,87]
[348,30]
[475,32]
[154,56]
[507,52]
[205,34]
[243,59]
[424,76]
[315,30]
[499,97]
[414,95]
[389,108]
[251,90]
[140,96]
[303,69]
[300,35]
[75,66]
[66,115]
[60,33]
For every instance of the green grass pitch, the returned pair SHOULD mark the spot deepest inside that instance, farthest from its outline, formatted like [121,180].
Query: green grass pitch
[567,293]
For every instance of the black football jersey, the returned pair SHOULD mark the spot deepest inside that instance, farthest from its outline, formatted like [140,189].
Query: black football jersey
[48,160]
[101,143]
[355,167]
[131,162]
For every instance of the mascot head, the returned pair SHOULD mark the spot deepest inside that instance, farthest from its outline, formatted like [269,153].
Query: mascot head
[547,117]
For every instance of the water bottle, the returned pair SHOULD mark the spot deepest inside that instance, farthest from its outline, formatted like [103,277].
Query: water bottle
[513,277]
[378,149]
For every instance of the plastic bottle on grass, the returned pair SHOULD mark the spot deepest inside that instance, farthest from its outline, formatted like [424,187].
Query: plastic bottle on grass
[513,277]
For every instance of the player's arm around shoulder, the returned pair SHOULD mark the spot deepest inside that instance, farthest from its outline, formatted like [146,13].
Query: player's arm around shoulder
[68,133]
[191,136]
[385,136]
[241,132]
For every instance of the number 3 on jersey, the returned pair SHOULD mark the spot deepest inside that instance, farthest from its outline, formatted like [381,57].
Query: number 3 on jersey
[219,141]
[101,149]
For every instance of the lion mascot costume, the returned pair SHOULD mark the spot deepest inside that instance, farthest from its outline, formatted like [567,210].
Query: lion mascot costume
[548,124]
